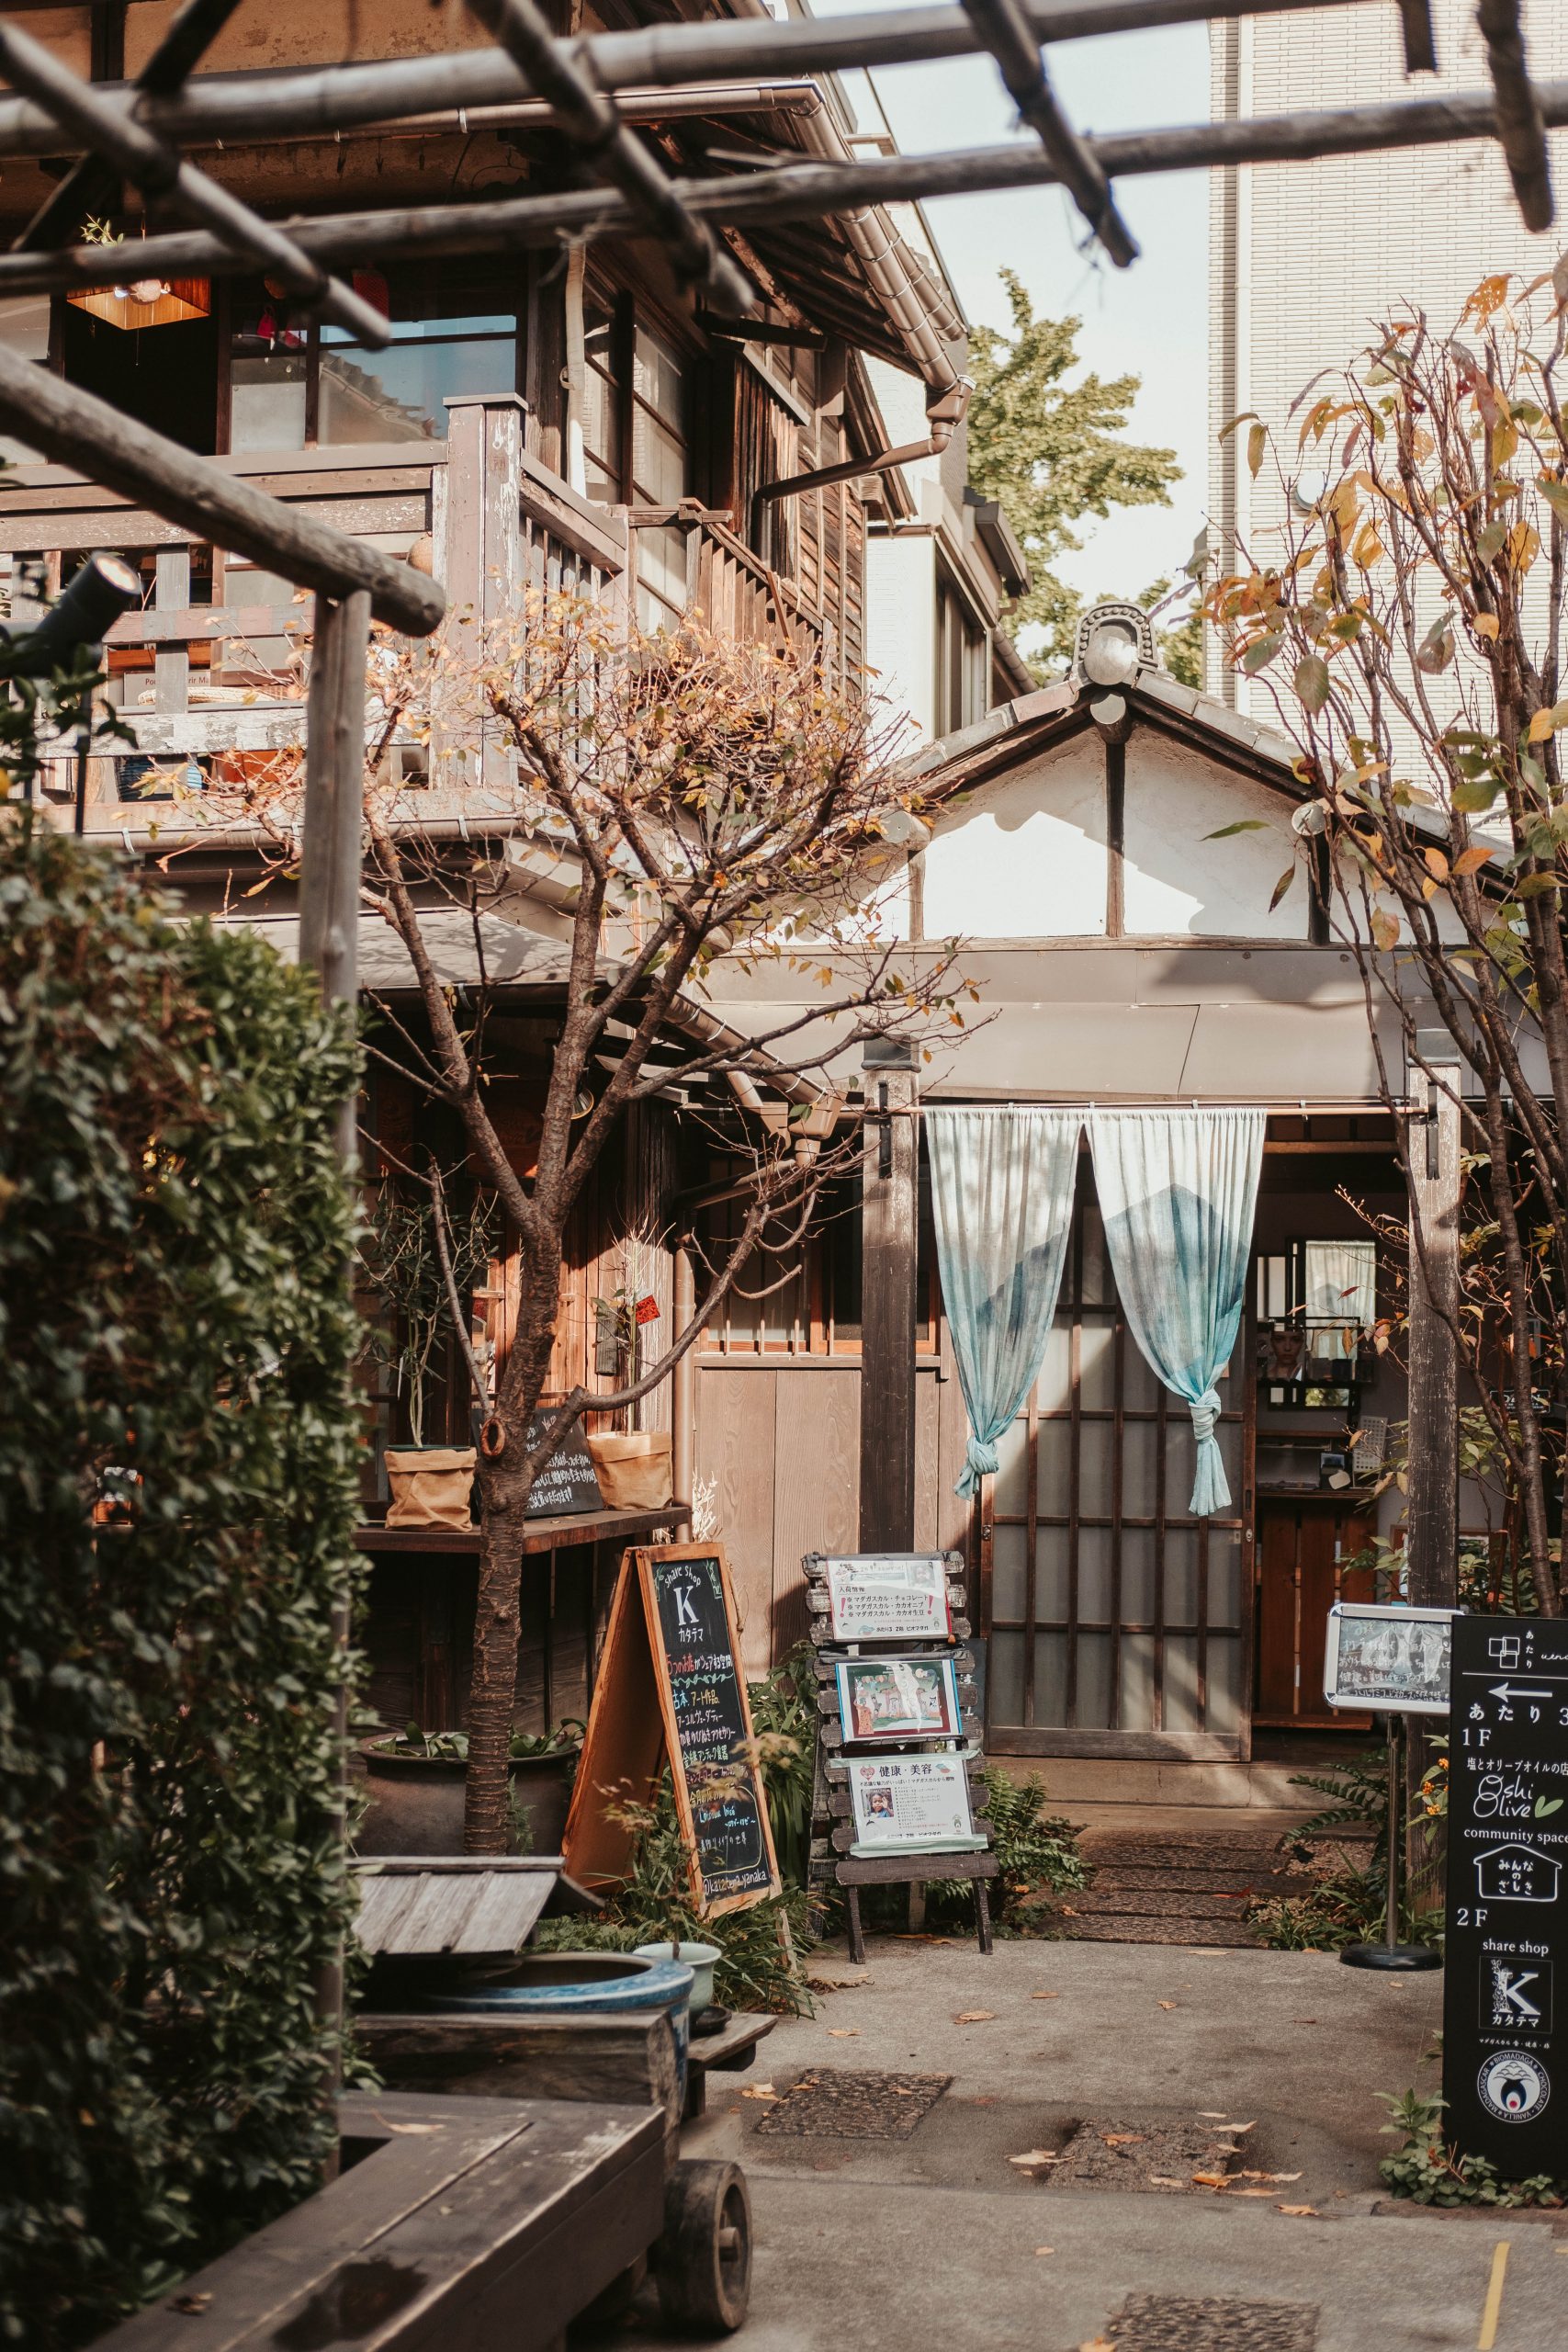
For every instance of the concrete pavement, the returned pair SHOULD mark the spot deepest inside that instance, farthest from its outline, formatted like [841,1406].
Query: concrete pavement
[879,2244]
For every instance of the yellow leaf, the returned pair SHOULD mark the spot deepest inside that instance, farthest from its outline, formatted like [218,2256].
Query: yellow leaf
[1257,442]
[974,2017]
[1471,861]
[1385,930]
[1547,722]
[1524,546]
[1485,624]
[1436,863]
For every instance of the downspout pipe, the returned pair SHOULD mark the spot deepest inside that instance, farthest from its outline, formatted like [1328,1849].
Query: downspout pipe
[943,417]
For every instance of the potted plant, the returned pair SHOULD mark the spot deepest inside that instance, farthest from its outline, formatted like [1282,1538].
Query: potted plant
[414,1783]
[422,1263]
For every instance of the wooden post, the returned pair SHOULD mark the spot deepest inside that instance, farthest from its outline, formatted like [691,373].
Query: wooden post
[1431,1538]
[171,663]
[328,929]
[482,556]
[1432,1512]
[889,1213]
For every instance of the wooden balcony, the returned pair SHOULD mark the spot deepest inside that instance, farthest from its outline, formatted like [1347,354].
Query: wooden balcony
[207,688]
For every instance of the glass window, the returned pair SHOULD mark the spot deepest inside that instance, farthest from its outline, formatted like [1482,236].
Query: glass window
[658,473]
[601,408]
[399,394]
[24,329]
[268,375]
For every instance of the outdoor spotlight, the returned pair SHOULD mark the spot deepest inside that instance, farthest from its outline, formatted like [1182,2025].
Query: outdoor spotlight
[1110,657]
[1310,819]
[83,615]
[901,829]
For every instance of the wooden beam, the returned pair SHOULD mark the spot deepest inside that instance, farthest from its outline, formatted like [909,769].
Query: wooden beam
[322,101]
[1521,131]
[1003,28]
[803,191]
[889,1214]
[76,428]
[1431,1542]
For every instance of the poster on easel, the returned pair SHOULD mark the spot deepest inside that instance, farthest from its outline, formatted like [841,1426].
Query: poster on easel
[912,1803]
[889,1596]
[670,1688]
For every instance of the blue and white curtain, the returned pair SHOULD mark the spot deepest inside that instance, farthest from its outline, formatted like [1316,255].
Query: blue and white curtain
[1002,1197]
[1177,1191]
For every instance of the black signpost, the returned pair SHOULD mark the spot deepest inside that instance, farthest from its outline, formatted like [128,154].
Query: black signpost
[569,1481]
[1505,2006]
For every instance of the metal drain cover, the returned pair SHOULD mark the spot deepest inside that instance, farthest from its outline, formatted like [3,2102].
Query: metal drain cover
[1158,2157]
[827,2105]
[1209,2324]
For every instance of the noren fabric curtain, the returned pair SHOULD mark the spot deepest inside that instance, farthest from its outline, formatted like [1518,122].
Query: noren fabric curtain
[1178,1190]
[1002,1196]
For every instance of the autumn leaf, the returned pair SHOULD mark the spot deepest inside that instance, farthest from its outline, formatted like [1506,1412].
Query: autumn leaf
[1436,863]
[1281,886]
[1168,2005]
[1555,495]
[974,2017]
[844,2033]
[1489,542]
[1485,624]
[1312,682]
[1471,861]
[1211,2180]
[1123,2138]
[1547,722]
[1242,825]
[759,2090]
[1033,2157]
[1436,649]
[1524,546]
[1044,1997]
[1257,442]
[1045,2249]
[1260,652]
[1298,2208]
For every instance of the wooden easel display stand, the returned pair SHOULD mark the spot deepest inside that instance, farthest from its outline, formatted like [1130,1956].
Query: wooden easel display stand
[833,1823]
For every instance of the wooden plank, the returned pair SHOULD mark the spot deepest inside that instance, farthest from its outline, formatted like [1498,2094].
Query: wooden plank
[627,2060]
[1431,1542]
[132,527]
[816,1421]
[1191,1747]
[893,1869]
[889,1216]
[193,624]
[735,1428]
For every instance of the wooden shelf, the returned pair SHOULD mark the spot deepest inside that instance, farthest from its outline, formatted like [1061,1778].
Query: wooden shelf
[1346,1498]
[542,1535]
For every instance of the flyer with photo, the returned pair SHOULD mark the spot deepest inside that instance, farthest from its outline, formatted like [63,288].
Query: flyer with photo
[890,1598]
[911,1801]
[898,1698]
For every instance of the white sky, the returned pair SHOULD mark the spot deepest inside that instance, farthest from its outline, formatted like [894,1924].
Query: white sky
[1151,320]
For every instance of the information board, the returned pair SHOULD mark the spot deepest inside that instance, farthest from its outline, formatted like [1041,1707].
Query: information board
[889,1597]
[569,1481]
[670,1687]
[1505,1994]
[1387,1659]
[901,1801]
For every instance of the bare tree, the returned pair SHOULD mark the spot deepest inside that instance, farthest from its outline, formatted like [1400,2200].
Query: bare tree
[683,795]
[1407,621]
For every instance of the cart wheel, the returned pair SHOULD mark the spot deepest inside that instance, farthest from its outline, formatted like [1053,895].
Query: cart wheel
[704,2255]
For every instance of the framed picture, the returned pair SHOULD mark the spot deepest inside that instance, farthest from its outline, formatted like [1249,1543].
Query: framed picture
[898,1597]
[897,1698]
[903,1801]
[1388,1661]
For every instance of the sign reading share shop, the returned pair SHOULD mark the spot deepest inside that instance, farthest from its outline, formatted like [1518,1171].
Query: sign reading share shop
[1505,1996]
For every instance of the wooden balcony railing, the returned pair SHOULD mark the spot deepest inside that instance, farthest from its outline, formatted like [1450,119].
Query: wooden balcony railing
[206,685]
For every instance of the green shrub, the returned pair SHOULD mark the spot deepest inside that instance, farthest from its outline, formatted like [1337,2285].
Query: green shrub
[1431,2172]
[783,1719]
[172,1224]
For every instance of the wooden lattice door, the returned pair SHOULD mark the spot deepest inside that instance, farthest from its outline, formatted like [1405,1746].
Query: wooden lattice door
[1118,1624]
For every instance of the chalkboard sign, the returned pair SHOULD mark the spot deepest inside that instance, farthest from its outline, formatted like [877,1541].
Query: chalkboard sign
[671,1686]
[1505,1994]
[569,1481]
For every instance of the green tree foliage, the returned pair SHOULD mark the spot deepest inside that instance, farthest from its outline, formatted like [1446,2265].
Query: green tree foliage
[172,1225]
[1052,451]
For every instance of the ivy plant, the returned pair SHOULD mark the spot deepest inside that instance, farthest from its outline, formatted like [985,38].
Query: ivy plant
[176,1506]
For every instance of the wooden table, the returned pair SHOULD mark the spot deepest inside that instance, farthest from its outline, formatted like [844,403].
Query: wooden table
[425,1673]
[487,2223]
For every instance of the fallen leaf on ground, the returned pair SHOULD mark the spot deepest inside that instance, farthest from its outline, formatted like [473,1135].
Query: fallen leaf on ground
[1241,2127]
[986,2098]
[1123,2138]
[1045,2249]
[844,2033]
[1266,2175]
[1165,2180]
[1211,2180]
[1168,2005]
[1211,2114]
[1252,2192]
[974,2017]
[1298,2208]
[410,2130]
[759,2090]
[1044,1997]
[1032,2156]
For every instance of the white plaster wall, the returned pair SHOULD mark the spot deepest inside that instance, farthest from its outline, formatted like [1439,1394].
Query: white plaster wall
[900,633]
[1176,878]
[1025,858]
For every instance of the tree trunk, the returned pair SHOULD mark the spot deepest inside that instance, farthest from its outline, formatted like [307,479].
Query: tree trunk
[487,1823]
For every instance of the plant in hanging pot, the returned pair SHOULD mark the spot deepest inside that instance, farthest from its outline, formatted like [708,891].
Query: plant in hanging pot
[418,1256]
[414,1781]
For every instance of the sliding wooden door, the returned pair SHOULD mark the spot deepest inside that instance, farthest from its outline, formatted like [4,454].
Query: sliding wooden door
[1119,1625]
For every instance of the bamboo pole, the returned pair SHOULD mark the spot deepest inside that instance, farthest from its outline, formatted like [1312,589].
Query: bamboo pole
[321,102]
[77,429]
[1001,25]
[610,150]
[1521,133]
[805,190]
[138,156]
